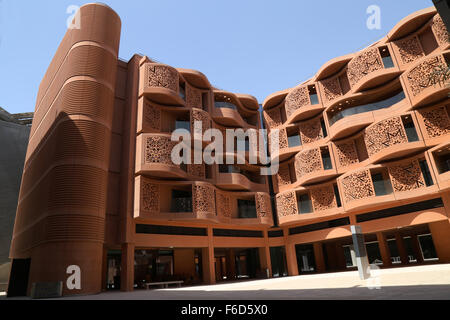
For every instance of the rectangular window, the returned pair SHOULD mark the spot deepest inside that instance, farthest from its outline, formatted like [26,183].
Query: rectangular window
[304,203]
[326,159]
[313,97]
[337,195]
[182,92]
[294,141]
[324,128]
[426,173]
[181,201]
[382,186]
[427,247]
[205,101]
[386,56]
[393,250]
[247,209]
[410,249]
[183,124]
[411,132]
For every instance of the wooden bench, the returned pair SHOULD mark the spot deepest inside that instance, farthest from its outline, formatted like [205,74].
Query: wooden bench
[163,284]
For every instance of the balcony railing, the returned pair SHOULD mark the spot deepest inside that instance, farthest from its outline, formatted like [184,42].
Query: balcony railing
[367,108]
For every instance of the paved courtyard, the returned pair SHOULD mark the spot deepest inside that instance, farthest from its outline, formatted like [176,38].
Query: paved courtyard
[423,282]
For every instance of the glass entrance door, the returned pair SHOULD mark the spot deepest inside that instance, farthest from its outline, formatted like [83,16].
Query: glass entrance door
[113,260]
[305,258]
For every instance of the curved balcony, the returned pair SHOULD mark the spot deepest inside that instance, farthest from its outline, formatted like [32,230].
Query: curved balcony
[199,202]
[196,78]
[352,114]
[305,204]
[174,201]
[240,177]
[411,23]
[350,153]
[333,66]
[160,83]
[273,118]
[275,99]
[434,123]
[371,68]
[248,101]
[303,102]
[294,138]
[229,111]
[440,32]
[379,185]
[419,82]
[153,157]
[315,165]
[393,137]
[153,117]
[285,177]
[244,208]
[439,158]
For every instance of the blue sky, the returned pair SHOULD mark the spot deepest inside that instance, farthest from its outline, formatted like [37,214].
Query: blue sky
[245,46]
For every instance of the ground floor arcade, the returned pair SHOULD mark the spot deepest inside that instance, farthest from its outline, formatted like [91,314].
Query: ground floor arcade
[259,255]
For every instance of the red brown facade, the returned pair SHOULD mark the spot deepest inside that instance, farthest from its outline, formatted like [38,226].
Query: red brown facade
[366,141]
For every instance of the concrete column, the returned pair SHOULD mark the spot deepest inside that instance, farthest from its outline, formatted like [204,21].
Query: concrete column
[291,259]
[440,231]
[264,260]
[127,264]
[362,260]
[264,255]
[416,248]
[209,273]
[231,264]
[384,250]
[401,248]
[318,254]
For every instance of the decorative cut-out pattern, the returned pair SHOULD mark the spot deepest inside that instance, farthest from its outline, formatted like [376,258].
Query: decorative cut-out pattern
[223,204]
[204,204]
[193,97]
[273,118]
[406,176]
[283,139]
[263,205]
[197,170]
[436,121]
[298,98]
[440,31]
[311,131]
[347,153]
[419,76]
[409,49]
[323,198]
[307,162]
[150,198]
[199,115]
[158,150]
[162,76]
[362,65]
[287,204]
[385,134]
[284,176]
[331,88]
[358,186]
[152,116]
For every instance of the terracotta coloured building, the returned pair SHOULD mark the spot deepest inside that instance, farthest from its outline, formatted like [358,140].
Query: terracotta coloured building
[366,142]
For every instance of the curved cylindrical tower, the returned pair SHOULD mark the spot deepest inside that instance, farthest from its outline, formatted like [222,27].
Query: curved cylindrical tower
[60,218]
